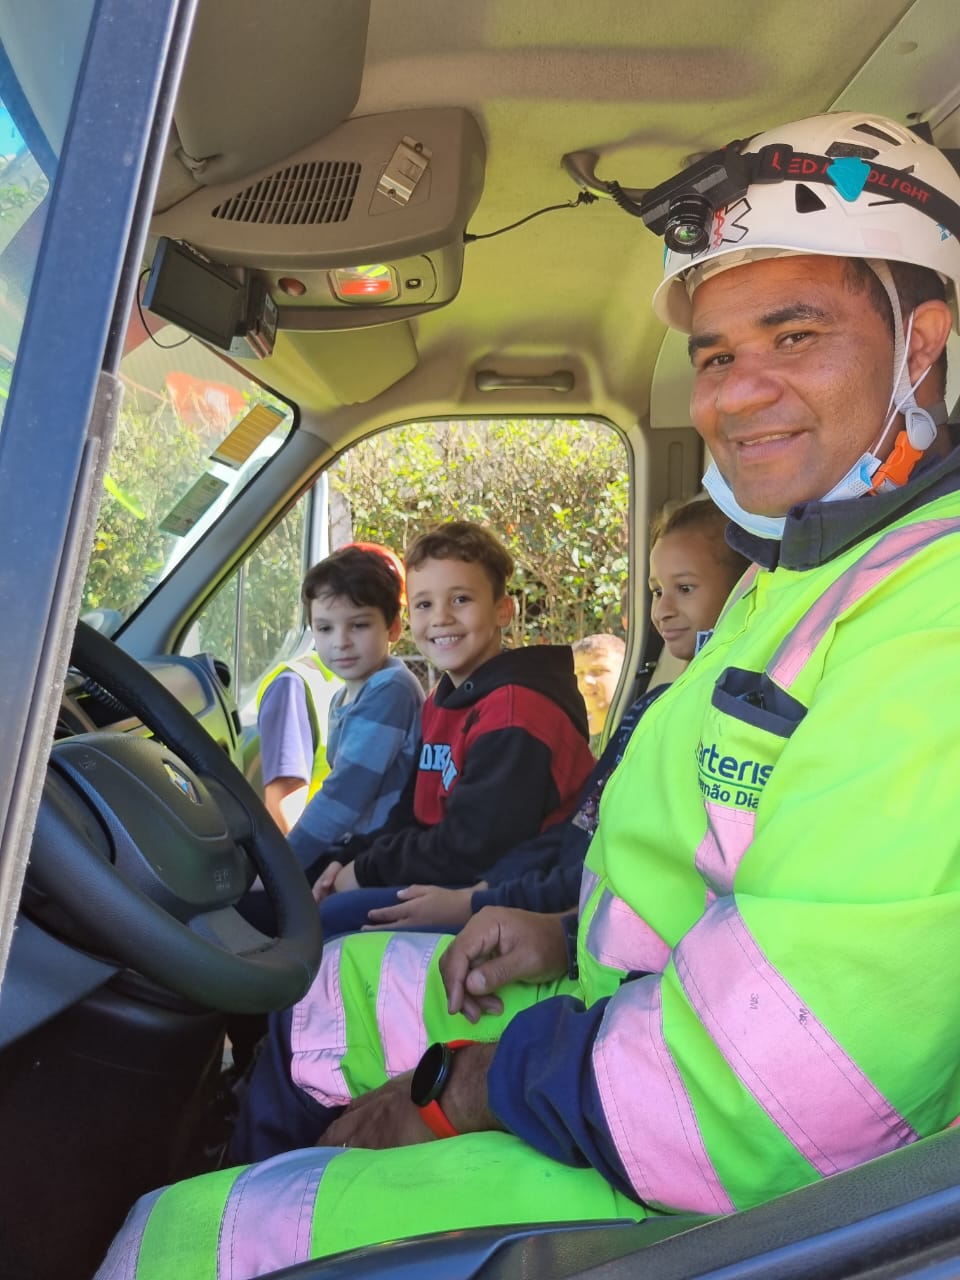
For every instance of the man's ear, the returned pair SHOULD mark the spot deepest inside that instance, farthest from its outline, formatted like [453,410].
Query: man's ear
[395,630]
[505,611]
[931,329]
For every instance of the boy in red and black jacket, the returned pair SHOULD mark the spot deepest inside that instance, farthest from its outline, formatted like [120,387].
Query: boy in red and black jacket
[504,748]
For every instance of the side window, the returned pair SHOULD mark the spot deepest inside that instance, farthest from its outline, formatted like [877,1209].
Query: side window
[555,490]
[255,620]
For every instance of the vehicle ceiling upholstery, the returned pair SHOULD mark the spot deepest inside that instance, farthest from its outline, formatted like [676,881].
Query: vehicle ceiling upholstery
[644,85]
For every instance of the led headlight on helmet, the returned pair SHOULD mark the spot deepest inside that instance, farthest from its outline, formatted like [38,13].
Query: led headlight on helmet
[686,229]
[682,208]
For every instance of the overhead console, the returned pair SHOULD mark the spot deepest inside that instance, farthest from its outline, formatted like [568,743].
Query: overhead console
[363,227]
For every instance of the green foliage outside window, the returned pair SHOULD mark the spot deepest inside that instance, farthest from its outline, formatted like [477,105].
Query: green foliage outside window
[270,623]
[555,491]
[154,459]
[158,457]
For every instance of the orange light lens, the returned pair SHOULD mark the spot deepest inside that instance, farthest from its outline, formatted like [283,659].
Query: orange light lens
[365,288]
[375,283]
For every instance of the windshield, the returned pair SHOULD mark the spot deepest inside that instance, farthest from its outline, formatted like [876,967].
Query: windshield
[27,166]
[193,430]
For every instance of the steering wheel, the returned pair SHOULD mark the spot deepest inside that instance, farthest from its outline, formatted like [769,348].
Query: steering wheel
[147,845]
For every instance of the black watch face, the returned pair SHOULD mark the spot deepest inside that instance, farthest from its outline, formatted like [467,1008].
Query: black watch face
[430,1075]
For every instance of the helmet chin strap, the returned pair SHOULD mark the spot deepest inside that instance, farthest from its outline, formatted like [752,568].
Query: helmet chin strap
[872,472]
[920,425]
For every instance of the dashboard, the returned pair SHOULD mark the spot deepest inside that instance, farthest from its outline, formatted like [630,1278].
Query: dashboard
[50,968]
[201,684]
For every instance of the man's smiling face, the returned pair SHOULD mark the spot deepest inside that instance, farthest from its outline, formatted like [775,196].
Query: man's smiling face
[793,370]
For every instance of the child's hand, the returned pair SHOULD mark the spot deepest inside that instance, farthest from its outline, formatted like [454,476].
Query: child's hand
[425,904]
[325,885]
[346,879]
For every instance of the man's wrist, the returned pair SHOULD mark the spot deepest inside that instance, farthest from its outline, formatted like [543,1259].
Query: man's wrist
[465,1096]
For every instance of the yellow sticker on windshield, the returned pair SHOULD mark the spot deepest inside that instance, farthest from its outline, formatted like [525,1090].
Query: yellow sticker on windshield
[247,435]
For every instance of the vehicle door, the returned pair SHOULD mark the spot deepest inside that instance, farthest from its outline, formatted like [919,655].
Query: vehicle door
[83,117]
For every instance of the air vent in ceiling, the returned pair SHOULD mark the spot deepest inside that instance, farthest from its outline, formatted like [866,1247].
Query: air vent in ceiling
[306,194]
[324,207]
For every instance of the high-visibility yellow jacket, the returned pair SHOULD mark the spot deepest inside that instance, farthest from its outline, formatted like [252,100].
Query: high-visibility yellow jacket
[319,687]
[781,850]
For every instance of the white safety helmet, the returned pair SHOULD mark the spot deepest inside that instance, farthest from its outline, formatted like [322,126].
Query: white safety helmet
[846,184]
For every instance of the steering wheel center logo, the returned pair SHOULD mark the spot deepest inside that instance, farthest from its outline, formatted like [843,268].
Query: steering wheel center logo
[182,782]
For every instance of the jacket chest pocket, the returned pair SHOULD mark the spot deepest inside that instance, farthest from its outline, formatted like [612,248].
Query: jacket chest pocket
[749,722]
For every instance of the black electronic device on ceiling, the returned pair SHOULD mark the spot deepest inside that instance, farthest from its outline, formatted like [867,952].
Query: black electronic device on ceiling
[231,311]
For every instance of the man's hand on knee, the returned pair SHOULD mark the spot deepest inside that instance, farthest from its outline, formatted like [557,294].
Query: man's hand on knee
[498,946]
[385,1117]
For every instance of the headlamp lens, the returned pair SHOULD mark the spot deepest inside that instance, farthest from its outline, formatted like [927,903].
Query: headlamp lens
[687,235]
[686,226]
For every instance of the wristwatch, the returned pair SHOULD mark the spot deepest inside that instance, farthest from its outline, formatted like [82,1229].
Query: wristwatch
[430,1078]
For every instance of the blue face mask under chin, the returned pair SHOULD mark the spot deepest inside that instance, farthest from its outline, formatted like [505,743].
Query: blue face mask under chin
[722,494]
[853,485]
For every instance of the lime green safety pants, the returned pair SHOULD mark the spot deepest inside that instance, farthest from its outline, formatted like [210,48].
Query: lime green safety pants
[373,1008]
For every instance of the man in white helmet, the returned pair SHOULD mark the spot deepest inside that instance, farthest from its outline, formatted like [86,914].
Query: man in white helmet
[766,962]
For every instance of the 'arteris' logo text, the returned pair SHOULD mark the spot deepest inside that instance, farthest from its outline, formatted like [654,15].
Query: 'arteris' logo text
[730,780]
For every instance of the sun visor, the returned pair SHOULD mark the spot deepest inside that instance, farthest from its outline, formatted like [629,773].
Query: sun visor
[363,226]
[302,63]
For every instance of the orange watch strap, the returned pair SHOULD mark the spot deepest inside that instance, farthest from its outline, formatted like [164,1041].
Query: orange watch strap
[434,1117]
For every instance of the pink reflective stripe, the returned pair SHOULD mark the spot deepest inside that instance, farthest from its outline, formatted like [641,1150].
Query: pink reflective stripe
[728,837]
[588,882]
[267,1221]
[652,1123]
[619,938]
[739,591]
[883,558]
[403,978]
[790,1063]
[124,1253]
[318,1035]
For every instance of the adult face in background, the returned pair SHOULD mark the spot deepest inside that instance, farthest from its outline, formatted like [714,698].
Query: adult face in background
[597,662]
[793,373]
